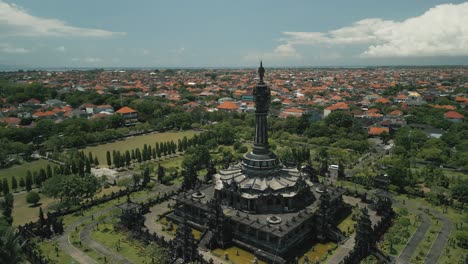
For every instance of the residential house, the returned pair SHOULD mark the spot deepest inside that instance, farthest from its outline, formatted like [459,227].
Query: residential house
[130,115]
[454,116]
[340,106]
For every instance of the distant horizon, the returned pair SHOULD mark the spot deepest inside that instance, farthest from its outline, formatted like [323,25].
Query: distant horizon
[8,68]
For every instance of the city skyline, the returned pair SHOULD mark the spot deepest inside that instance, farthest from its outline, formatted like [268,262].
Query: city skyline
[55,34]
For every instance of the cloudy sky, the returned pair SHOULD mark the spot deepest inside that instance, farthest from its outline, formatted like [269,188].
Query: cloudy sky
[225,33]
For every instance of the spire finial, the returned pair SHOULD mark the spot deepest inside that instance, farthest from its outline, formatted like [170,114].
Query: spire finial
[261,71]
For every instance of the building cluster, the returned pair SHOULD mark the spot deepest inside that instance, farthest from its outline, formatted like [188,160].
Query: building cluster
[380,96]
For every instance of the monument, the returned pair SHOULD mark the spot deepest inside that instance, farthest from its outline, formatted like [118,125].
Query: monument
[260,204]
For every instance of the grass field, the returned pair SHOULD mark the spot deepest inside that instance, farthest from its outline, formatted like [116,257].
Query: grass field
[21,170]
[23,212]
[347,225]
[319,252]
[135,142]
[48,249]
[235,255]
[112,239]
[397,228]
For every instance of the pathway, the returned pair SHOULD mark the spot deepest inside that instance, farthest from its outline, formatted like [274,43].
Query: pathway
[410,248]
[438,245]
[441,240]
[81,257]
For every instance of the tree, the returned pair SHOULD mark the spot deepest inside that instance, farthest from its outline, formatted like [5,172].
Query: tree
[71,188]
[22,183]
[33,198]
[7,207]
[108,157]
[90,157]
[128,159]
[29,181]
[49,171]
[460,191]
[10,249]
[161,172]
[136,180]
[146,177]
[138,155]
[14,183]
[339,119]
[5,187]
[199,157]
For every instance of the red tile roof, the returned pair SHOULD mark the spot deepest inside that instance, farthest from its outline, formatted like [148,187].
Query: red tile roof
[228,105]
[126,110]
[339,105]
[453,115]
[378,130]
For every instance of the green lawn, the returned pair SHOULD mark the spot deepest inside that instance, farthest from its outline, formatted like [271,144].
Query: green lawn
[132,250]
[48,249]
[235,255]
[403,234]
[451,254]
[319,252]
[347,225]
[426,244]
[21,170]
[135,142]
[24,213]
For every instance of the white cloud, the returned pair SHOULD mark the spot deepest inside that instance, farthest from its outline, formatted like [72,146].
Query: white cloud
[15,21]
[280,53]
[61,49]
[440,31]
[7,48]
[87,59]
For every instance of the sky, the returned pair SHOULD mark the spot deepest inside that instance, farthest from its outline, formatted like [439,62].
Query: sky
[226,33]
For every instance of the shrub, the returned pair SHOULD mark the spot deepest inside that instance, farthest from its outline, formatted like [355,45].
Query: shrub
[33,198]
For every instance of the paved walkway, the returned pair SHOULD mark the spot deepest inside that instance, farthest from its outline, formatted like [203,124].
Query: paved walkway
[65,245]
[418,235]
[441,240]
[438,245]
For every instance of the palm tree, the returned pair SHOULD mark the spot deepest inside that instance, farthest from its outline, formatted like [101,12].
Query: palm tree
[10,249]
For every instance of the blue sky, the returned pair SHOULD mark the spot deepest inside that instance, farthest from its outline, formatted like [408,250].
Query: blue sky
[218,33]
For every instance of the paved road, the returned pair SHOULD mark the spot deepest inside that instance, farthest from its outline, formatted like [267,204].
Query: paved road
[411,246]
[441,240]
[111,255]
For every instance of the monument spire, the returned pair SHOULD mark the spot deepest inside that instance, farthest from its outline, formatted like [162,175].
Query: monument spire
[262,105]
